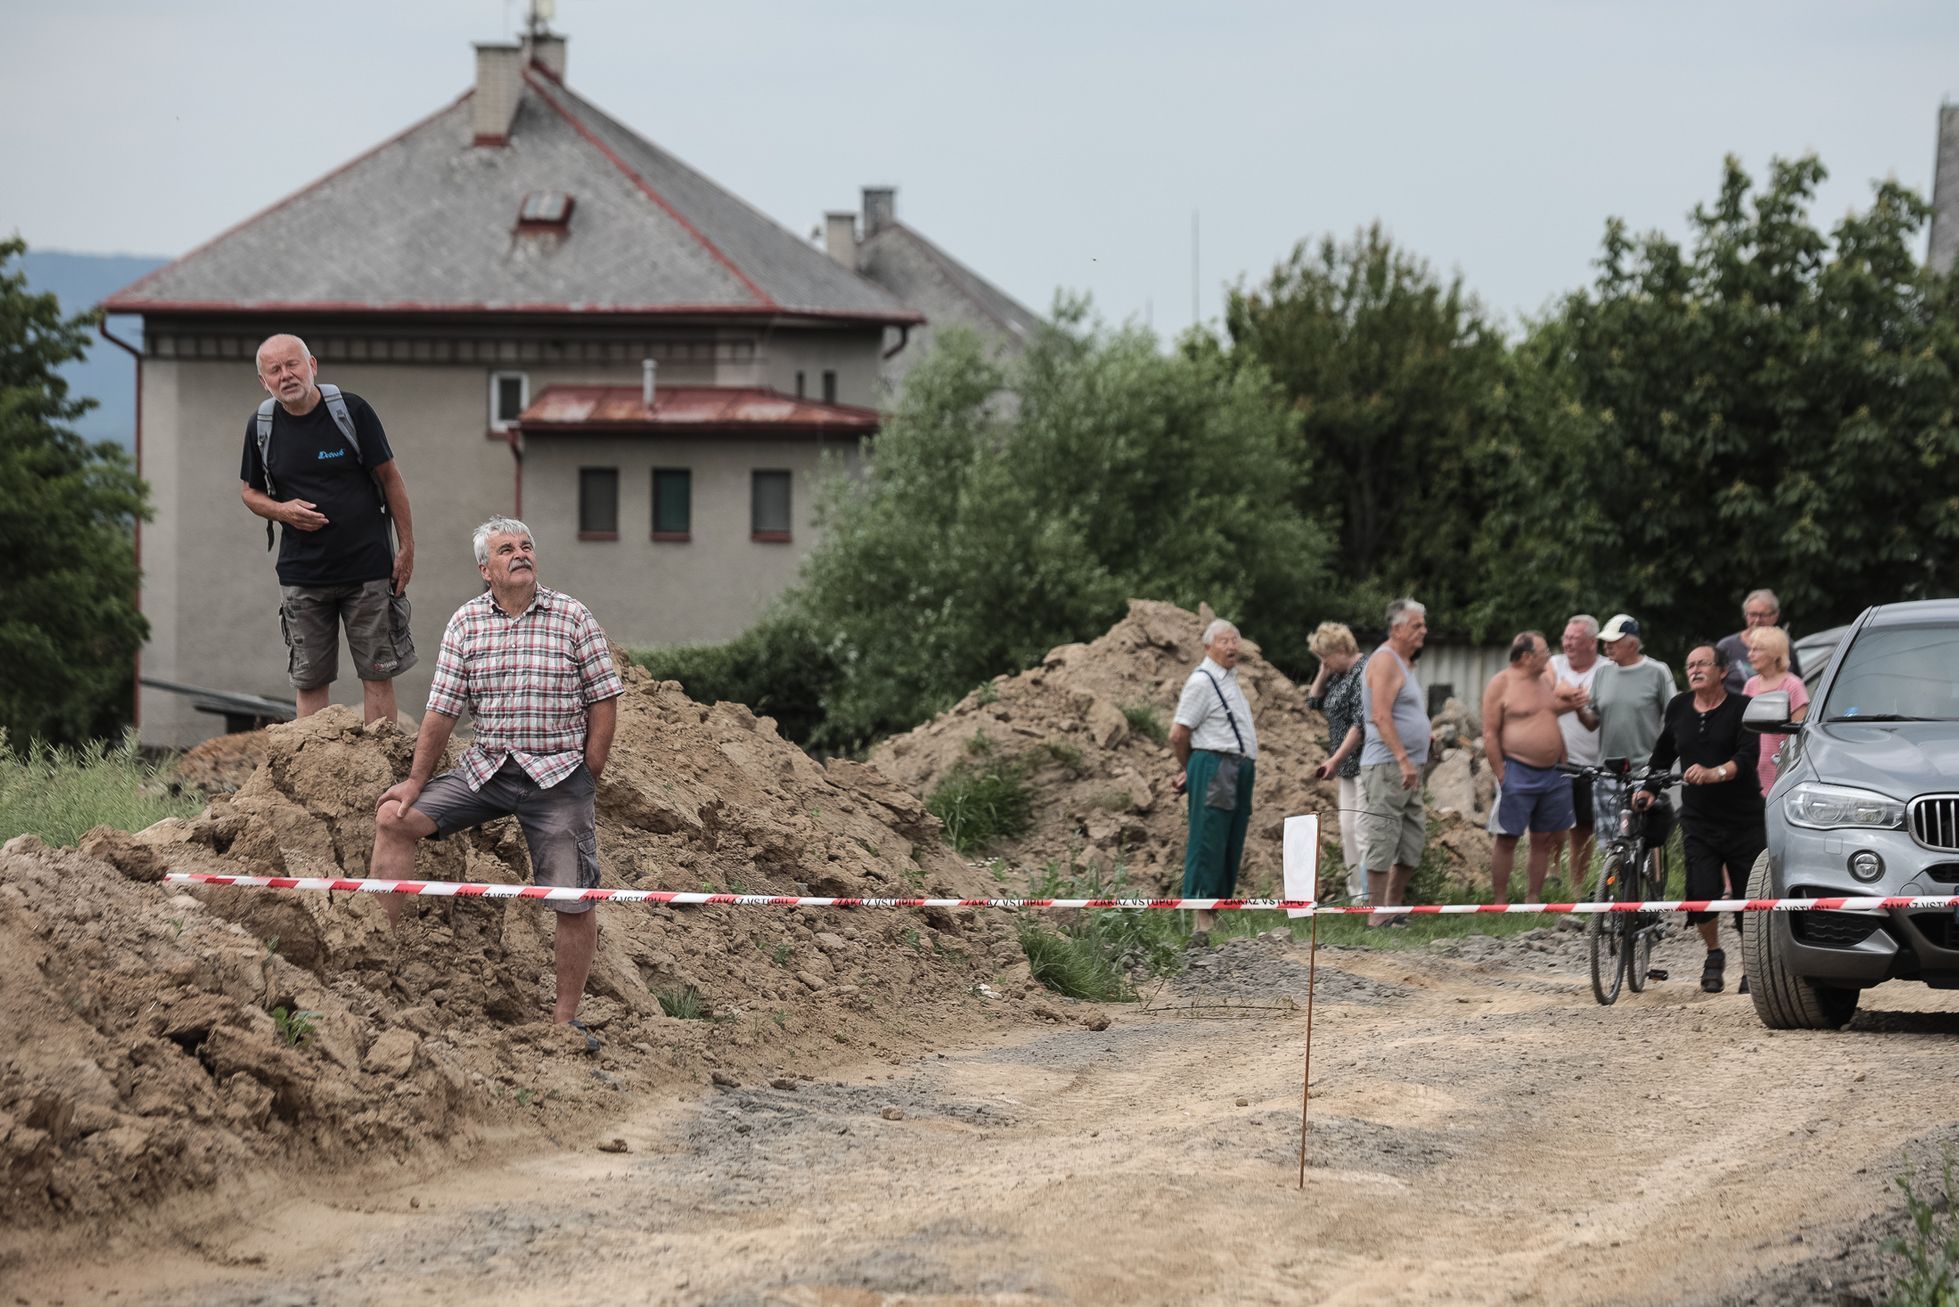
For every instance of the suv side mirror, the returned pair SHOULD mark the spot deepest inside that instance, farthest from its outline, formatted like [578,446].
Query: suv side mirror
[1769,714]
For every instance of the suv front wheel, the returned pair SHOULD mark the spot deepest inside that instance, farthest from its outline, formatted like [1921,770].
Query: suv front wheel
[1783,999]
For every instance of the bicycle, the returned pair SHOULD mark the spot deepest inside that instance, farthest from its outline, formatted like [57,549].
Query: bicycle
[1631,870]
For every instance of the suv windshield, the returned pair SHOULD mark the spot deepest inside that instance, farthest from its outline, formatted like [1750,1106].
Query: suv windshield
[1898,673]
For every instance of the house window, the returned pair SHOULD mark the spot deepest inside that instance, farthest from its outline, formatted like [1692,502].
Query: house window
[673,503]
[801,389]
[769,512]
[510,395]
[829,386]
[598,503]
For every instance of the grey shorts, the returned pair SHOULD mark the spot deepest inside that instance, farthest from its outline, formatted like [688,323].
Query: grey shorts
[557,822]
[377,631]
[1393,823]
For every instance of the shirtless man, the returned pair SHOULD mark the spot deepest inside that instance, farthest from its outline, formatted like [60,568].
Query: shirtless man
[1524,746]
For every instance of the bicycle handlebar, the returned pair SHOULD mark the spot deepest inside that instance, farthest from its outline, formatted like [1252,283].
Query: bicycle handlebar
[1632,778]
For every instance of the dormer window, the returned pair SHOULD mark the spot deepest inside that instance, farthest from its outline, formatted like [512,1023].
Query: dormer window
[545,210]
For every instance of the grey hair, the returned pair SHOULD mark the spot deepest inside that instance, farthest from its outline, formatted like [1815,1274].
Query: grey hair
[1217,628]
[277,335]
[1402,609]
[1586,620]
[1766,596]
[497,526]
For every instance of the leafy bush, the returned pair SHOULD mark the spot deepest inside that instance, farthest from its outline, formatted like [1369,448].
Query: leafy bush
[777,667]
[59,794]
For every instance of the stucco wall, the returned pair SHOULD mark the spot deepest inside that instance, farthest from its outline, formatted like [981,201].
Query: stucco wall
[211,593]
[645,592]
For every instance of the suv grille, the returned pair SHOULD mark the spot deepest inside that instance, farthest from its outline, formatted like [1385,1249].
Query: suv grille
[1939,928]
[1832,929]
[1935,821]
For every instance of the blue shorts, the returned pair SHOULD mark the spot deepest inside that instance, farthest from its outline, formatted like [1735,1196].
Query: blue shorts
[1536,799]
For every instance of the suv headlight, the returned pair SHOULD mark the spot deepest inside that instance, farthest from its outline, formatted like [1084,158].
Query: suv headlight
[1829,807]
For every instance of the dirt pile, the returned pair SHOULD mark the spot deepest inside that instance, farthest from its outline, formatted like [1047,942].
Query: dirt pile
[150,1037]
[1087,725]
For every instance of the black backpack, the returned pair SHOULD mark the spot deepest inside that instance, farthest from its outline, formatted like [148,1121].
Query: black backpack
[337,409]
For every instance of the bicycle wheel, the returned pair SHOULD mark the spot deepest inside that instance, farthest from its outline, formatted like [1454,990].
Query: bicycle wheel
[1646,926]
[1605,932]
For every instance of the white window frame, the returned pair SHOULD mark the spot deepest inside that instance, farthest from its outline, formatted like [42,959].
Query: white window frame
[523,397]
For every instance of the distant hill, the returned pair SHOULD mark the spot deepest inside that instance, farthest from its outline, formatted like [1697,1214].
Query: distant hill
[107,375]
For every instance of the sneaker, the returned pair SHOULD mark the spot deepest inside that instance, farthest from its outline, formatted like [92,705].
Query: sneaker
[1200,939]
[1717,962]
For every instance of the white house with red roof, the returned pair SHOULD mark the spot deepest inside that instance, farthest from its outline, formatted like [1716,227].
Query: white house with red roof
[554,318]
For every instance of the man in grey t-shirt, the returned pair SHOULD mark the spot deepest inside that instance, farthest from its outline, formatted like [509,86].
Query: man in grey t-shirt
[1629,700]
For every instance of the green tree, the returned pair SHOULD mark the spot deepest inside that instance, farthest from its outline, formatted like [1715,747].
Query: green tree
[69,628]
[1769,406]
[1399,381]
[1005,512]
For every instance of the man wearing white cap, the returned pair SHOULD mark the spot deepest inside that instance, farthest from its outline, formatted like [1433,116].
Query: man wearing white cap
[1628,706]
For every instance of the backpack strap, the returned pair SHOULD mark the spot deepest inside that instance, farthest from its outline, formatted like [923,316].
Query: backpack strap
[337,409]
[264,428]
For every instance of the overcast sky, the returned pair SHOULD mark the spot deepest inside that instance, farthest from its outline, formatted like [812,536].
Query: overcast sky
[1047,143]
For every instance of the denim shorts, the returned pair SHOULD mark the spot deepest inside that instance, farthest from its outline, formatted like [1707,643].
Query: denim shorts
[378,633]
[557,823]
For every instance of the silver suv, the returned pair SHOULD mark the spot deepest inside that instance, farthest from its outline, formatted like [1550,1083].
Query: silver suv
[1866,804]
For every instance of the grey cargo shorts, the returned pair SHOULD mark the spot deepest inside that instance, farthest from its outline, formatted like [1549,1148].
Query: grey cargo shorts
[378,633]
[557,823]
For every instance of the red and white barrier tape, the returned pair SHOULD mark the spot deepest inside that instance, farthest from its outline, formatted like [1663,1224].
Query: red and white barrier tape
[465,889]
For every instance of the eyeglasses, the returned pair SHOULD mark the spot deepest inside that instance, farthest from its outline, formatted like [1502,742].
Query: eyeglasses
[1706,665]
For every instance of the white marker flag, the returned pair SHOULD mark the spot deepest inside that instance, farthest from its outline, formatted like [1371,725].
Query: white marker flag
[1302,861]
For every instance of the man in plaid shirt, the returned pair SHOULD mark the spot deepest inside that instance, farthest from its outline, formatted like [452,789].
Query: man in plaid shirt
[533,669]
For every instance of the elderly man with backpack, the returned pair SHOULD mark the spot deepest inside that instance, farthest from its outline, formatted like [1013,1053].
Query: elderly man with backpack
[318,463]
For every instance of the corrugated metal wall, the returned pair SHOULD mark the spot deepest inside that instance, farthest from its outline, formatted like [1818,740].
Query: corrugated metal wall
[1463,669]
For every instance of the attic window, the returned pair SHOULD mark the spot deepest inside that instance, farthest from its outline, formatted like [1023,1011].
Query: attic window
[545,209]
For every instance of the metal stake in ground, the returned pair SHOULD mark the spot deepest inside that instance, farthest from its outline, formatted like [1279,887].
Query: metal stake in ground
[1306,1077]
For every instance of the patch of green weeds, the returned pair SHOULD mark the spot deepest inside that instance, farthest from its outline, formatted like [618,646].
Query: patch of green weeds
[866,845]
[295,1026]
[780,1018]
[986,693]
[1144,719]
[60,794]
[1064,755]
[684,1003]
[1092,954]
[1930,1249]
[986,798]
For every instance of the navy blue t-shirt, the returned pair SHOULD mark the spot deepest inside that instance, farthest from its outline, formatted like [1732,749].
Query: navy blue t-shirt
[311,460]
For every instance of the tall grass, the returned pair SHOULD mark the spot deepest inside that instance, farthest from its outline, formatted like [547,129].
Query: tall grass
[59,794]
[1931,1248]
[1092,954]
[984,799]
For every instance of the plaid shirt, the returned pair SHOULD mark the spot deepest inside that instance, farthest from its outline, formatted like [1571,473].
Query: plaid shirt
[526,680]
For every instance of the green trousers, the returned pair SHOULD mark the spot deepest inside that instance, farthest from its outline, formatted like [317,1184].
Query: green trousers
[1217,837]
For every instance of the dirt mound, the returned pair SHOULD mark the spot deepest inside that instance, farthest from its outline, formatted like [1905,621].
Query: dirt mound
[1087,726]
[145,1052]
[221,764]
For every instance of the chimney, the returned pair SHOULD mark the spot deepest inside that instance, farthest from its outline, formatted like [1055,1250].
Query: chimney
[880,209]
[499,83]
[647,369]
[547,51]
[1944,240]
[840,237]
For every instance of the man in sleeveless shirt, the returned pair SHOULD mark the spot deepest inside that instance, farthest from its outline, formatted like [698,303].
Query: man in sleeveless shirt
[1393,824]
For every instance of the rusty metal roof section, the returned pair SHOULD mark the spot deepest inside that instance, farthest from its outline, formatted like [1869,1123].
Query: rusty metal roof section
[703,410]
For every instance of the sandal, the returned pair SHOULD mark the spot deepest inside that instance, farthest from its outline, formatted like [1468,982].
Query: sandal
[592,1045]
[1717,962]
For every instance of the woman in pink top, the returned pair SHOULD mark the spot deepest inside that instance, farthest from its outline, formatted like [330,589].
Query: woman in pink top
[1768,653]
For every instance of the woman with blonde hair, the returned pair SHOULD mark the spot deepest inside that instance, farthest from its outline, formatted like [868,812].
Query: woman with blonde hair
[1336,693]
[1768,654]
